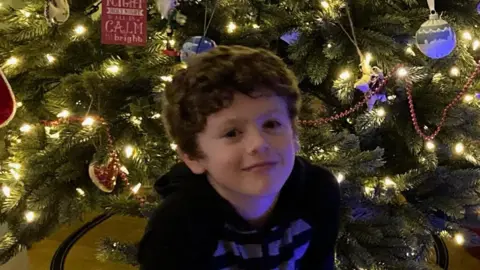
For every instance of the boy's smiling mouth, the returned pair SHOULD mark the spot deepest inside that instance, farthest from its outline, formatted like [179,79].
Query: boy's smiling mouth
[267,165]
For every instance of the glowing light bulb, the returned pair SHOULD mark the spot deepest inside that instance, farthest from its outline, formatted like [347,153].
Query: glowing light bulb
[459,148]
[324,4]
[89,121]
[173,146]
[12,61]
[402,72]
[255,26]
[340,177]
[80,30]
[381,112]
[335,148]
[368,57]
[136,188]
[26,13]
[430,145]
[475,44]
[25,128]
[168,78]
[459,239]
[389,182]
[50,58]
[15,166]
[345,75]
[410,51]
[15,174]
[80,192]
[128,150]
[468,98]
[29,216]
[329,45]
[63,114]
[231,27]
[369,190]
[467,36]
[6,191]
[455,71]
[113,69]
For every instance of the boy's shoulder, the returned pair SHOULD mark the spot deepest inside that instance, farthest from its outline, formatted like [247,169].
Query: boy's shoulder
[319,191]
[318,180]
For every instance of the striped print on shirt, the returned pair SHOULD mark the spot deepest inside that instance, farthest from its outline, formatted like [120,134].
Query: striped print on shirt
[278,249]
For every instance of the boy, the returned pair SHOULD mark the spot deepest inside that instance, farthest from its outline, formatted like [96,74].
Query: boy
[240,199]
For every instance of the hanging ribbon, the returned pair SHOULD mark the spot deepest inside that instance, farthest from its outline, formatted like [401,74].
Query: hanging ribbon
[431,5]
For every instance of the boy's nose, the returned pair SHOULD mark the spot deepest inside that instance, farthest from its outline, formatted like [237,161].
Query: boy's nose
[257,143]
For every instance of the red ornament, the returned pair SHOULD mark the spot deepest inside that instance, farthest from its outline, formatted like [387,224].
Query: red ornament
[104,176]
[172,53]
[7,101]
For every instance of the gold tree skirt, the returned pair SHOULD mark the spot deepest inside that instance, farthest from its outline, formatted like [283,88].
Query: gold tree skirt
[82,255]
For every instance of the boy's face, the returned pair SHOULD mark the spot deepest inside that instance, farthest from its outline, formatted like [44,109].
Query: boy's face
[249,148]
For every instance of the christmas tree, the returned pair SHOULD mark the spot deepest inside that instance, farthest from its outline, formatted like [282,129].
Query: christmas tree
[389,106]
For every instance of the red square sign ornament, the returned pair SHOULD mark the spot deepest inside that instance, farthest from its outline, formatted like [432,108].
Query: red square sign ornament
[124,22]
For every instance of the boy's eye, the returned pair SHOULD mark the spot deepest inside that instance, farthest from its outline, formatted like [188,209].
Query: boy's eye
[272,124]
[231,134]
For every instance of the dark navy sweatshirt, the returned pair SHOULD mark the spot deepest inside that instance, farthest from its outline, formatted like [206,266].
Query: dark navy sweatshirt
[195,228]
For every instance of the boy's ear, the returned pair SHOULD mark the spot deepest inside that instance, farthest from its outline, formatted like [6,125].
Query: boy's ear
[194,165]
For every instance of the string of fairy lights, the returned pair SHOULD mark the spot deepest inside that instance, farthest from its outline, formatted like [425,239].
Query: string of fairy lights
[129,151]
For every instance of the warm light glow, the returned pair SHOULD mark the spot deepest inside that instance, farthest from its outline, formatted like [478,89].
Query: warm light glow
[340,177]
[466,35]
[15,174]
[455,71]
[136,188]
[156,116]
[6,191]
[19,104]
[255,26]
[168,78]
[368,57]
[80,30]
[25,128]
[89,121]
[410,51]
[172,42]
[430,145]
[26,13]
[475,44]
[459,148]
[63,114]
[335,148]
[12,61]
[173,146]
[29,216]
[114,69]
[231,27]
[389,182]
[402,72]
[80,192]
[381,112]
[324,4]
[345,75]
[369,190]
[468,98]
[459,239]
[128,150]
[329,45]
[50,58]
[16,166]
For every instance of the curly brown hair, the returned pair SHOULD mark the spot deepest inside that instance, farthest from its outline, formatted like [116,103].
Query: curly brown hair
[210,82]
